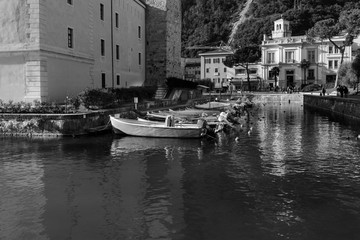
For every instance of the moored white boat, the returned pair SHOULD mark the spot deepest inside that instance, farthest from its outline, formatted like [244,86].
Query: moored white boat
[213,105]
[155,129]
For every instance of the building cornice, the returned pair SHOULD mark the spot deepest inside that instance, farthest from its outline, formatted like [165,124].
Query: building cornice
[141,3]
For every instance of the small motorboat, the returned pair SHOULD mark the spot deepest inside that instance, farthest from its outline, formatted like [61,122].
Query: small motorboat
[167,129]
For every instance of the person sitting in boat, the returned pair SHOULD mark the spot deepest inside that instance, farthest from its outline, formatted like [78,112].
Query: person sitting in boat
[170,121]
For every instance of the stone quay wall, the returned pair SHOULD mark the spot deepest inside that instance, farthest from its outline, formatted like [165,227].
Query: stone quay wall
[343,107]
[260,97]
[62,125]
[267,98]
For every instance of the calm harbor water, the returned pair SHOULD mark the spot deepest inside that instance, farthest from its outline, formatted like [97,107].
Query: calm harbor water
[296,175]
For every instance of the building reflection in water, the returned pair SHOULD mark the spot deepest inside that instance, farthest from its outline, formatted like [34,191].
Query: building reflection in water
[22,192]
[280,137]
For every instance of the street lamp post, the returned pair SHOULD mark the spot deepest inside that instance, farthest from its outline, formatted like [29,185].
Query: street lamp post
[230,86]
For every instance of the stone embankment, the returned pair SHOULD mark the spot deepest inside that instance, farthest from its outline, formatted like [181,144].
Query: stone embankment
[348,108]
[58,125]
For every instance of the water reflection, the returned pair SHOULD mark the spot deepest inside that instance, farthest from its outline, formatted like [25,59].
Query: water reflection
[295,176]
[22,198]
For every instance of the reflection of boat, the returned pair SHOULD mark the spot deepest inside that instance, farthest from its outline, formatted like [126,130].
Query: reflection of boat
[155,129]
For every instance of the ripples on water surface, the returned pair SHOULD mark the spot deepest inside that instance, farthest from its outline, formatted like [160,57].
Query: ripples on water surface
[295,176]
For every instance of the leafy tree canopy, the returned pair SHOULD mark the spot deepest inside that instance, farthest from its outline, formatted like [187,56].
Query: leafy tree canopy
[209,22]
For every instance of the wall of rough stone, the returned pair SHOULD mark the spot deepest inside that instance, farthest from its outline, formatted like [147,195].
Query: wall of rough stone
[343,107]
[163,40]
[173,63]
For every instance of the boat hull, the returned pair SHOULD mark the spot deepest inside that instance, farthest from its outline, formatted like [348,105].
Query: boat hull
[151,129]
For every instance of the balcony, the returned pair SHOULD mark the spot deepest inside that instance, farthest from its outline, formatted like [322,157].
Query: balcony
[290,61]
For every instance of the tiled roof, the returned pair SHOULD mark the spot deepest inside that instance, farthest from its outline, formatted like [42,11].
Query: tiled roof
[216,52]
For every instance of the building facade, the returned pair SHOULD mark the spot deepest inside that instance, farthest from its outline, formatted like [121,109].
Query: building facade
[238,77]
[286,52]
[53,49]
[57,48]
[191,68]
[213,68]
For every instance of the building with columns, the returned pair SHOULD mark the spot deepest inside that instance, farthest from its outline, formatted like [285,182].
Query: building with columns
[56,48]
[285,51]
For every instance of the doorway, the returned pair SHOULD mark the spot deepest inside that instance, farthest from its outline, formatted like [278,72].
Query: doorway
[290,78]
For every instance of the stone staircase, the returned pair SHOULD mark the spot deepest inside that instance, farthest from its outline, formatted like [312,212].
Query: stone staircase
[161,92]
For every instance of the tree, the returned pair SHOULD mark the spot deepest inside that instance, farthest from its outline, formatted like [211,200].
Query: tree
[356,68]
[347,75]
[304,64]
[243,57]
[349,22]
[275,71]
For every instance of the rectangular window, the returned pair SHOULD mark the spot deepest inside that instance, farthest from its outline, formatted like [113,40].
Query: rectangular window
[336,64]
[289,57]
[216,70]
[101,11]
[139,59]
[102,47]
[208,70]
[270,57]
[103,80]
[330,64]
[208,60]
[330,49]
[118,79]
[139,32]
[70,2]
[271,75]
[311,74]
[116,20]
[311,56]
[70,38]
[224,70]
[336,50]
[117,52]
[253,71]
[240,71]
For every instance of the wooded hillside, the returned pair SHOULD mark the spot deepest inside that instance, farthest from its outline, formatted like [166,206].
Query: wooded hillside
[209,22]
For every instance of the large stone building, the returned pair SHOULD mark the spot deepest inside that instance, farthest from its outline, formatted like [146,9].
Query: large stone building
[285,51]
[50,49]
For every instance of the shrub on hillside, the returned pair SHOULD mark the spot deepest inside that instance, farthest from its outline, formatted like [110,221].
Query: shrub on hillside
[173,82]
[109,98]
[128,94]
[97,98]
[35,107]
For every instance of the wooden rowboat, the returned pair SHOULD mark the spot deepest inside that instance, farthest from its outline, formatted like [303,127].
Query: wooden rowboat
[155,129]
[213,105]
